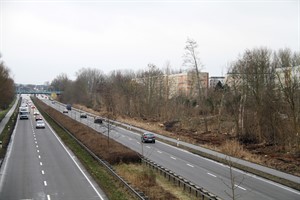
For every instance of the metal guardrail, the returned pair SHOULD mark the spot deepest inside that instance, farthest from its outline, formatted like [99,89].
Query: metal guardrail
[137,194]
[181,182]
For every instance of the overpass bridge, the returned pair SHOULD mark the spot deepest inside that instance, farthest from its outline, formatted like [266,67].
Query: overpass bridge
[45,92]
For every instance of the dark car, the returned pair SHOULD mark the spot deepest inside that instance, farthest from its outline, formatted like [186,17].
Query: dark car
[97,120]
[148,137]
[69,107]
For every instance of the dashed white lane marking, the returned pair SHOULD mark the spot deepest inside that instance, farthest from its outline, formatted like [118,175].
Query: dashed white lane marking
[37,146]
[240,187]
[211,174]
[48,197]
[159,152]
[41,163]
[138,142]
[43,172]
[190,165]
[45,183]
[38,151]
[34,138]
[148,147]
[173,158]
[36,142]
[39,157]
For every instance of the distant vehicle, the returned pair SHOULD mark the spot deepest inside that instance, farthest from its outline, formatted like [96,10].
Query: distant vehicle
[38,117]
[98,120]
[69,107]
[65,111]
[83,115]
[36,113]
[148,137]
[40,124]
[23,113]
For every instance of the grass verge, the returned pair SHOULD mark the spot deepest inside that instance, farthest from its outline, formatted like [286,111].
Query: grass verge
[8,130]
[4,112]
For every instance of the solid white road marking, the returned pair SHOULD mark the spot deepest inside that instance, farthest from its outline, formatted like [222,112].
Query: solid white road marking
[173,158]
[45,183]
[240,187]
[190,165]
[211,174]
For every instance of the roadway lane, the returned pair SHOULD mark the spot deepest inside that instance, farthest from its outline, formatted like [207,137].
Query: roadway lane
[38,166]
[213,176]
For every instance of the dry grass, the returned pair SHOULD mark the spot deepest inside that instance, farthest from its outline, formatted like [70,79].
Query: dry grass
[154,186]
[235,149]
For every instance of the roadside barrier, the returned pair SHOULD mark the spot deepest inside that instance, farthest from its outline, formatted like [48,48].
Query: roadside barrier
[180,181]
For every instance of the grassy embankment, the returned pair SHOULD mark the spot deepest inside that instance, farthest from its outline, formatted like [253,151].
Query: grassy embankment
[8,129]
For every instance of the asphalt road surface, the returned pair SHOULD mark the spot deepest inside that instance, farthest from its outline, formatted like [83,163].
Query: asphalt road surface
[213,176]
[38,166]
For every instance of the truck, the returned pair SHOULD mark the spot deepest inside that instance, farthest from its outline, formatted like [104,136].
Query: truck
[23,112]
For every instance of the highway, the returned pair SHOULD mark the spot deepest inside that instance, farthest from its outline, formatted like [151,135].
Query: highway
[38,166]
[213,176]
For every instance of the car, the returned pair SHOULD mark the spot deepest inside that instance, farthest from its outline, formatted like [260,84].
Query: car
[36,113]
[69,107]
[97,120]
[38,117]
[65,111]
[83,115]
[40,124]
[147,137]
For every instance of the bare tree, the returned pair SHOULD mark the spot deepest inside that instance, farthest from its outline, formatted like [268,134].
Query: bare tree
[7,86]
[235,181]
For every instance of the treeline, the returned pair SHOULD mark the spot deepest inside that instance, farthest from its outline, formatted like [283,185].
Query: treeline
[7,86]
[261,96]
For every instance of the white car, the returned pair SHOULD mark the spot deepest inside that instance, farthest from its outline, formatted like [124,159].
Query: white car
[40,124]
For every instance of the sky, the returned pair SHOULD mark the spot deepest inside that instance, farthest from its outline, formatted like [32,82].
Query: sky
[40,40]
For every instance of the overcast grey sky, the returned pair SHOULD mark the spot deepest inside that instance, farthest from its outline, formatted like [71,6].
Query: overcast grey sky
[42,39]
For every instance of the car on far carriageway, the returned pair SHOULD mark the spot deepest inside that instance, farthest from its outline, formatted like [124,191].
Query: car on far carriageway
[83,115]
[97,120]
[65,111]
[148,137]
[40,124]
